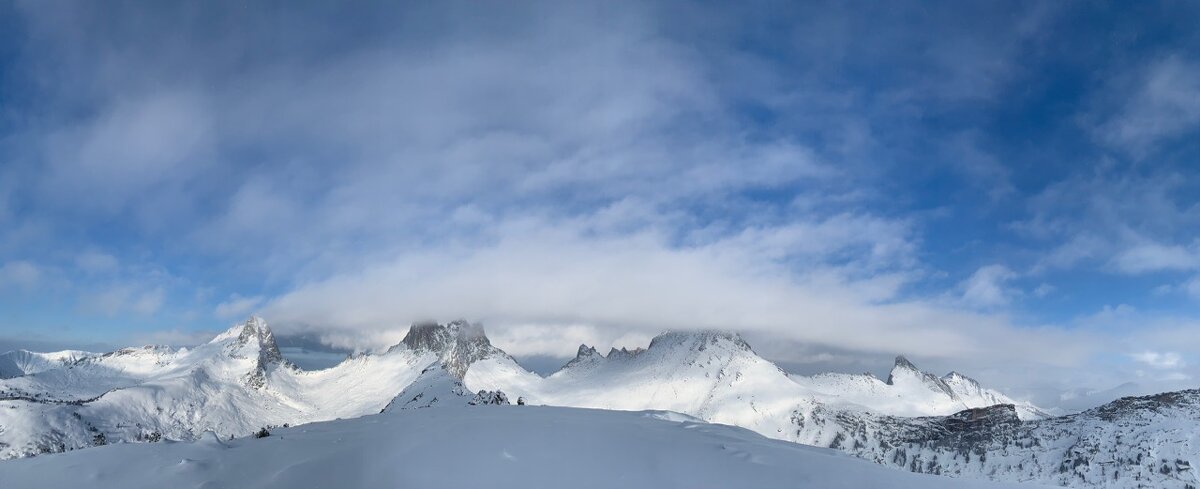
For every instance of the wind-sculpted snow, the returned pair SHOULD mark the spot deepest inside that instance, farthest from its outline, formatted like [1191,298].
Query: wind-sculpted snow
[496,447]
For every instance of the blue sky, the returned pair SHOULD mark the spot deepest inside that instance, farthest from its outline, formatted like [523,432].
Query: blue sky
[984,184]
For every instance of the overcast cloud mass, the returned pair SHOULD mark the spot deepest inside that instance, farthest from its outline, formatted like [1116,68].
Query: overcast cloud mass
[1006,189]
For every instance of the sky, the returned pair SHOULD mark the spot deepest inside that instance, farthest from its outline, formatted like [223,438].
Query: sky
[1008,189]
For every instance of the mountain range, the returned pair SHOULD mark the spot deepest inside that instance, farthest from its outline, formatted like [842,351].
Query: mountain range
[914,420]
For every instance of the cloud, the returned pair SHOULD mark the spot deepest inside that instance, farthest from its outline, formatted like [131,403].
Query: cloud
[1043,290]
[552,275]
[1119,219]
[118,298]
[1165,103]
[1152,257]
[987,286]
[96,262]
[572,172]
[21,274]
[1159,360]
[237,306]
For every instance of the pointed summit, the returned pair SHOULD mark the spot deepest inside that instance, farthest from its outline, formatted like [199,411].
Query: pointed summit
[905,372]
[903,367]
[254,339]
[955,378]
[903,363]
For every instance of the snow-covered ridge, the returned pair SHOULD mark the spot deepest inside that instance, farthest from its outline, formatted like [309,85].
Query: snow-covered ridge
[481,446]
[910,391]
[24,362]
[915,420]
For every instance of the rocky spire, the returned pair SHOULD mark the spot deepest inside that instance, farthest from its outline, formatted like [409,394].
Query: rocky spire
[905,370]
[458,344]
[585,354]
[253,338]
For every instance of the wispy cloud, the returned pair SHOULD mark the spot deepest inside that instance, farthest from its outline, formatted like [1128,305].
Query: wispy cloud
[1159,360]
[913,180]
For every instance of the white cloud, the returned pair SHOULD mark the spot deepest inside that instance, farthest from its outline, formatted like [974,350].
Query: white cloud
[237,306]
[1159,360]
[1151,257]
[588,177]
[116,298]
[551,275]
[987,287]
[1165,104]
[1192,287]
[1043,290]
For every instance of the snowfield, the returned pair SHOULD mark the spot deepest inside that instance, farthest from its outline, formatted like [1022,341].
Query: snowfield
[913,421]
[482,446]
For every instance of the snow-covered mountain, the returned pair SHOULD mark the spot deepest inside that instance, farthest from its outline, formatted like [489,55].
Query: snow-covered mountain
[1146,441]
[492,447]
[914,420]
[23,362]
[233,385]
[909,391]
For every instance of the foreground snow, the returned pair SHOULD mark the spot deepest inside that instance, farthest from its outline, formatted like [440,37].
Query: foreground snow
[492,446]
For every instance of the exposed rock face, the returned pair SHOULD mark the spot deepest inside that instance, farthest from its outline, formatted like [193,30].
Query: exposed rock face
[624,353]
[489,398]
[458,344]
[257,339]
[434,387]
[1134,442]
[697,341]
[584,355]
[1131,442]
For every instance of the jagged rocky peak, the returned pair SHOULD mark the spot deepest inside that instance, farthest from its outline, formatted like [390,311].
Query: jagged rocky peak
[614,353]
[902,362]
[255,339]
[256,331]
[904,369]
[431,336]
[458,344]
[957,378]
[699,340]
[584,355]
[1188,400]
[585,352]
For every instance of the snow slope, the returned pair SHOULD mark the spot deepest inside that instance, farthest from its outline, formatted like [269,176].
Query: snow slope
[23,362]
[239,382]
[910,391]
[232,385]
[494,447]
[716,377]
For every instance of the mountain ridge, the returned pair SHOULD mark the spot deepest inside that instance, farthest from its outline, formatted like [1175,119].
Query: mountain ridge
[915,421]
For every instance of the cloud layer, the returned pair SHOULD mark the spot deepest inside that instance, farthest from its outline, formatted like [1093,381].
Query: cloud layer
[916,180]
